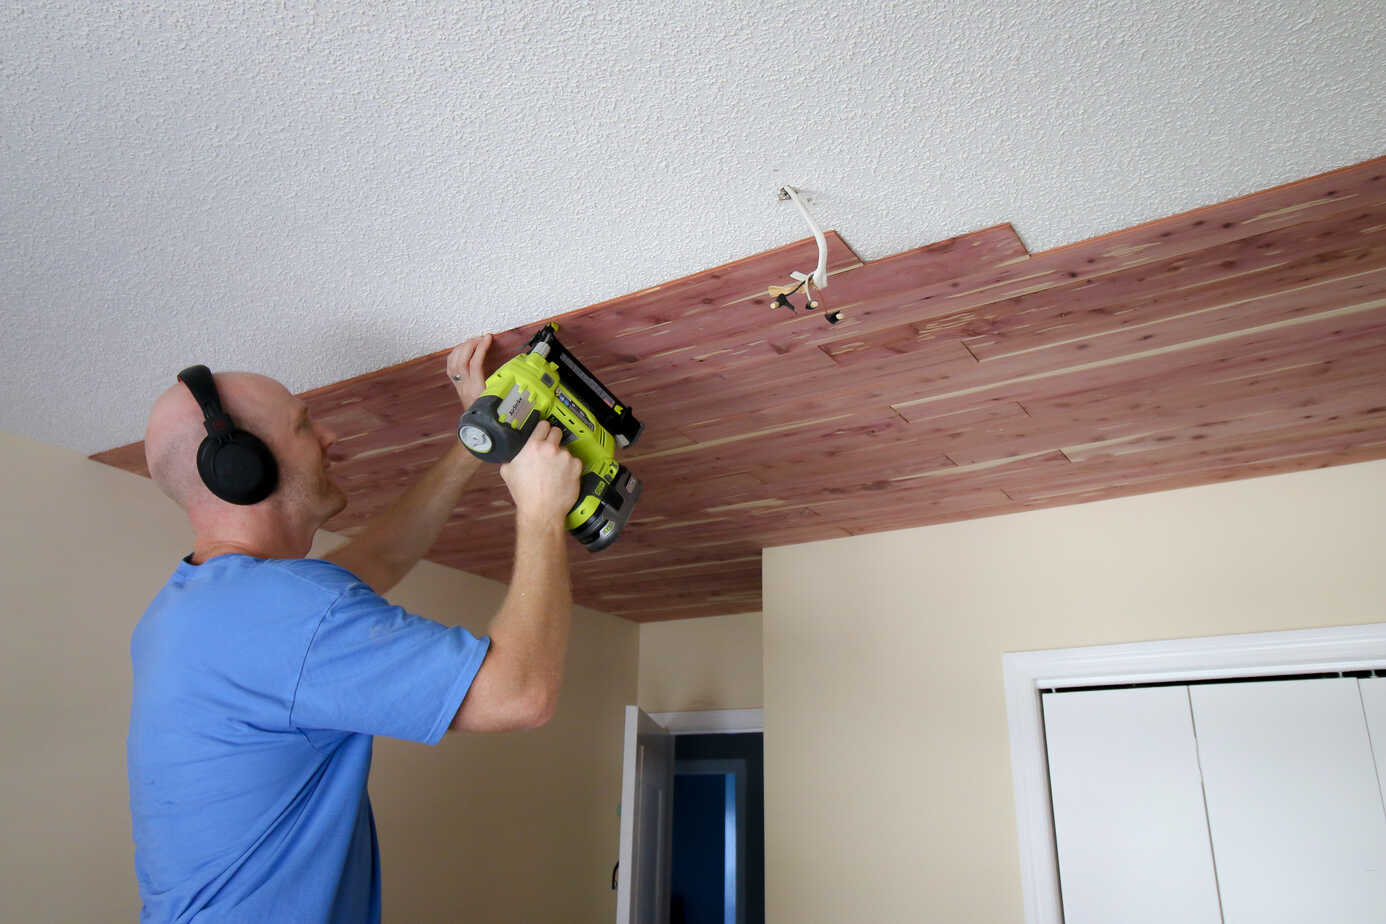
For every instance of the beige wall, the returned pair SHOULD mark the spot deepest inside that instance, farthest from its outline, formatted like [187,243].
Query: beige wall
[887,760]
[520,826]
[888,786]
[689,665]
[82,547]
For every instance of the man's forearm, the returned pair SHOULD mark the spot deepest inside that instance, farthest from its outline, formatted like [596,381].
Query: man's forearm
[394,541]
[517,686]
[534,620]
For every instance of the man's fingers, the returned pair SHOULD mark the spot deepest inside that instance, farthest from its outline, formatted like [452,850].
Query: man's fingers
[468,359]
[545,432]
[477,358]
[457,360]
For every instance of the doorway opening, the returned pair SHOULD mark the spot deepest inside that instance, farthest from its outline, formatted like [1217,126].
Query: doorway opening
[718,856]
[722,767]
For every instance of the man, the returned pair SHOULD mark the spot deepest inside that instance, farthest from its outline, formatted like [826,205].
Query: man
[260,676]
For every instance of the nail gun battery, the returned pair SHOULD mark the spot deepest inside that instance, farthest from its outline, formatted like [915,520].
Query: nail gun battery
[603,508]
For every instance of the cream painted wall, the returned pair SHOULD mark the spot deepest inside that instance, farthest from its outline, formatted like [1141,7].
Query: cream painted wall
[521,826]
[881,677]
[688,665]
[83,548]
[888,786]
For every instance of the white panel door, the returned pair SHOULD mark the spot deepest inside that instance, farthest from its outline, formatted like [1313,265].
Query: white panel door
[1373,690]
[1128,808]
[1293,803]
[647,822]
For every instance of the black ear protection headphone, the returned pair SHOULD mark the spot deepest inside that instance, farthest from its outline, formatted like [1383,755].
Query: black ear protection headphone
[234,464]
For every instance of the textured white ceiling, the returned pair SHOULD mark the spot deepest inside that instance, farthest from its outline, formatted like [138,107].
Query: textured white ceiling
[316,190]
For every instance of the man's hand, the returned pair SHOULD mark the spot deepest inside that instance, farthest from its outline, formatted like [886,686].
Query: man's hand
[543,479]
[464,368]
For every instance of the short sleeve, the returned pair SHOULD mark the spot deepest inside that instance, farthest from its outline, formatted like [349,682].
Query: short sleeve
[377,669]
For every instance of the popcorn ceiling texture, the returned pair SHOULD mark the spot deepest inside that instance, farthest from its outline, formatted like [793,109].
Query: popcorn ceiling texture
[317,190]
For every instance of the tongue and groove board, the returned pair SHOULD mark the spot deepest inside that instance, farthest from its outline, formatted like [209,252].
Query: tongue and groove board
[967,378]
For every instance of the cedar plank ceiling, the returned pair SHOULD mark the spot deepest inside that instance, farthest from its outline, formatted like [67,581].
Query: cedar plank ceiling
[968,378]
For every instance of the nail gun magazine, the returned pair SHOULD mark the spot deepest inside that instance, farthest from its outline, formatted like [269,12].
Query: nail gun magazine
[546,382]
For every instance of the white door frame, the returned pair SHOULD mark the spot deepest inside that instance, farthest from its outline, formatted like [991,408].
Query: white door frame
[648,754]
[712,721]
[1309,651]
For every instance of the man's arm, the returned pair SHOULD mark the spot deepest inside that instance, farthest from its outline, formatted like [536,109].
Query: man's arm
[394,541]
[517,685]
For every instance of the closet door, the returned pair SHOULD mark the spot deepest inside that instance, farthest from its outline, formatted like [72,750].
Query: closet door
[1294,809]
[1128,808]
[1373,690]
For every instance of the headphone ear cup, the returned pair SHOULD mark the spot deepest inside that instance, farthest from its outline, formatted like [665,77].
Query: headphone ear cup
[239,469]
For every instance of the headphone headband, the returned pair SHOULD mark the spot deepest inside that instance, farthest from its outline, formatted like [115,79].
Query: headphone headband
[204,391]
[235,464]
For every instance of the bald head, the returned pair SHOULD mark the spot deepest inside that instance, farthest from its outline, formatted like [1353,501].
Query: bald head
[175,430]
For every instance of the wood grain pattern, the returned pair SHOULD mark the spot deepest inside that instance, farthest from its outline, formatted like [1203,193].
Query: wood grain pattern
[967,378]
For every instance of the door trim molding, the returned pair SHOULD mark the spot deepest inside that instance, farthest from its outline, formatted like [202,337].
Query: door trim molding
[1263,654]
[712,721]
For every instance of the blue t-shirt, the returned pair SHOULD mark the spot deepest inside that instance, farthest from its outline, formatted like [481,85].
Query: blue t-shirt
[257,687]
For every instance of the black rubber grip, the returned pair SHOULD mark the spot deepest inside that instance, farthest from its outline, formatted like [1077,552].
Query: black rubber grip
[506,441]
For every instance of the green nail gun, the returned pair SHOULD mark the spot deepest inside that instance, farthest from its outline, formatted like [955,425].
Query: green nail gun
[546,382]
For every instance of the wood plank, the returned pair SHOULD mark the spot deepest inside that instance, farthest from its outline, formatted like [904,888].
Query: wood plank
[943,261]
[653,611]
[946,421]
[676,329]
[839,447]
[866,472]
[1299,398]
[1281,342]
[1345,438]
[705,292]
[129,457]
[945,495]
[641,558]
[727,577]
[1362,185]
[1236,471]
[821,395]
[1200,385]
[1285,394]
[750,387]
[1241,275]
[1303,418]
[1290,259]
[748,332]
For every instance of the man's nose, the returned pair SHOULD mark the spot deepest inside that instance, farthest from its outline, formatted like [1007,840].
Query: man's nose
[325,436]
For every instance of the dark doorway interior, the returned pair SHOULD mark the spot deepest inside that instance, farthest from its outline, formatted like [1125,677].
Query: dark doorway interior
[699,883]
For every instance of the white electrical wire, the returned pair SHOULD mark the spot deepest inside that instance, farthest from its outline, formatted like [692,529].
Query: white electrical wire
[820,275]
